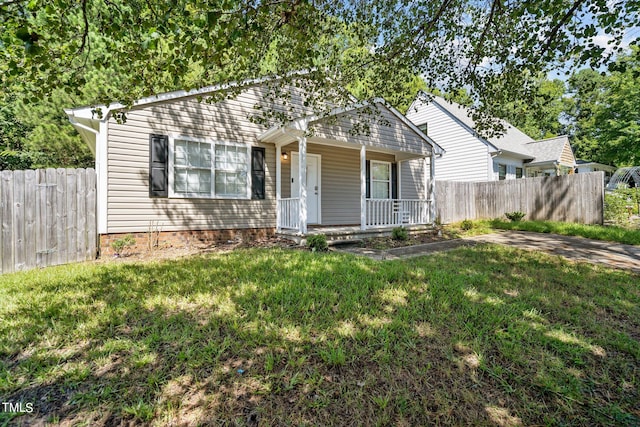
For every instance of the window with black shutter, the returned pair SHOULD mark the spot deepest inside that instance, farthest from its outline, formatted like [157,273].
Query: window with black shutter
[257,173]
[158,165]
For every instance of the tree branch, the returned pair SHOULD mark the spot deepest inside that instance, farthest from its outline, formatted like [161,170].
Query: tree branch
[554,31]
[85,34]
[473,60]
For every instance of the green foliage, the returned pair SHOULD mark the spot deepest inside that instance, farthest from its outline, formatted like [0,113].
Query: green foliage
[400,233]
[184,44]
[317,242]
[515,216]
[466,225]
[121,246]
[616,206]
[539,115]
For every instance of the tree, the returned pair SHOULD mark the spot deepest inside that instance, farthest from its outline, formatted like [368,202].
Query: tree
[491,47]
[585,91]
[542,116]
[616,122]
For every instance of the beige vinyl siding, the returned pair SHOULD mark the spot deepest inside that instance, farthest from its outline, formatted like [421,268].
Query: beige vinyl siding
[466,157]
[129,208]
[412,179]
[566,157]
[386,131]
[340,181]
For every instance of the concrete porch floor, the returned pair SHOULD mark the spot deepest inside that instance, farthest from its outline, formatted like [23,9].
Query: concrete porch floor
[338,234]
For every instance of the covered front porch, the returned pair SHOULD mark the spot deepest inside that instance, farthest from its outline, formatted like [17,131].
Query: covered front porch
[331,181]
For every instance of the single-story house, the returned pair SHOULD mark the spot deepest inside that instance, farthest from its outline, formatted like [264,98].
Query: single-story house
[585,166]
[209,171]
[470,157]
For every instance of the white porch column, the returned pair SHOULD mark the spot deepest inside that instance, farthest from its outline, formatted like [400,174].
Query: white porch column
[432,190]
[363,188]
[302,180]
[278,185]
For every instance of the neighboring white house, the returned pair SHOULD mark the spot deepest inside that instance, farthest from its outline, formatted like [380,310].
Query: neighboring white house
[199,170]
[470,157]
[584,166]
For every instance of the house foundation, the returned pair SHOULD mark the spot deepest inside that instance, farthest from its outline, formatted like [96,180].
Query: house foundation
[147,241]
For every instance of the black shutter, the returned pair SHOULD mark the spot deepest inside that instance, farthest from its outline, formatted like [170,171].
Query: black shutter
[257,173]
[368,173]
[158,165]
[394,180]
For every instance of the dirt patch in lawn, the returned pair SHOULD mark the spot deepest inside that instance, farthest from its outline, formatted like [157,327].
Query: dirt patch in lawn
[435,235]
[173,252]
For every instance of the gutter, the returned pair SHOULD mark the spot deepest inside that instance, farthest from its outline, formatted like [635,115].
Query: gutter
[81,126]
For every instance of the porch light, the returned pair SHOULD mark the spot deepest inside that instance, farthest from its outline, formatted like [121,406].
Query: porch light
[285,156]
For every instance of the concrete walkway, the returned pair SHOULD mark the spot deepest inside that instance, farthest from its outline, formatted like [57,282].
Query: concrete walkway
[614,255]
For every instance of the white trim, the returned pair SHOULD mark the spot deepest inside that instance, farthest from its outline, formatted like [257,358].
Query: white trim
[212,144]
[372,162]
[102,152]
[302,183]
[301,124]
[363,187]
[432,181]
[278,183]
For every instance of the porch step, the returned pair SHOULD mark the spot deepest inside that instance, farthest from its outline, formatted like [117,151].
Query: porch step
[348,235]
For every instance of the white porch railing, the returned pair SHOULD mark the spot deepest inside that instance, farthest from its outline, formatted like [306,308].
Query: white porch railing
[391,212]
[289,210]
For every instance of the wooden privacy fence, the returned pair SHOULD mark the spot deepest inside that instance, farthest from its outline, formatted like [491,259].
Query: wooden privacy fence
[47,217]
[569,198]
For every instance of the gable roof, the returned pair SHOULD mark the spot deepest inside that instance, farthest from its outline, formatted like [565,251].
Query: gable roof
[86,123]
[301,124]
[513,141]
[547,150]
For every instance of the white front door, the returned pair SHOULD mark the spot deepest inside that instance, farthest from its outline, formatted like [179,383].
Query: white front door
[313,185]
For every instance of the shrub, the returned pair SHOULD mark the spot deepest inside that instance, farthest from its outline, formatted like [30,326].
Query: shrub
[466,225]
[515,216]
[120,246]
[317,242]
[615,206]
[400,233]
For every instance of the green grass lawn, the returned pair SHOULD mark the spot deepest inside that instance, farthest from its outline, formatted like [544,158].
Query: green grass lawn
[486,336]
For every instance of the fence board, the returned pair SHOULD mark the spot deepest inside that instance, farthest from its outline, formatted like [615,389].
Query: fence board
[61,217]
[569,198]
[91,224]
[6,182]
[19,255]
[41,219]
[51,193]
[81,216]
[30,218]
[47,217]
[72,202]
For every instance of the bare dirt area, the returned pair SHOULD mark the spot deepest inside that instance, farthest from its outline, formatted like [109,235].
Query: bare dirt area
[174,252]
[381,243]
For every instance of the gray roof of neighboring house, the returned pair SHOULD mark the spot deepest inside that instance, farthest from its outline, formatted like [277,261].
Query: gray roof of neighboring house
[547,150]
[513,141]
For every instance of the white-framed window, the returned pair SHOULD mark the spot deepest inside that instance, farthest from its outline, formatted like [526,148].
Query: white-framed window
[203,168]
[380,180]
